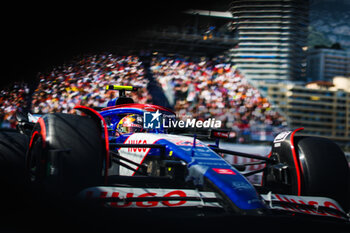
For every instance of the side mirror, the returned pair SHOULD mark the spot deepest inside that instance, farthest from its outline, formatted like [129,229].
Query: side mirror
[25,122]
[221,133]
[22,117]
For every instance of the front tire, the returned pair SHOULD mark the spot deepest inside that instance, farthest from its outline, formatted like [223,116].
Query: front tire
[308,166]
[325,169]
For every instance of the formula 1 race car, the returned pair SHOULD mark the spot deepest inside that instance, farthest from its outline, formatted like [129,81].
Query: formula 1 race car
[86,157]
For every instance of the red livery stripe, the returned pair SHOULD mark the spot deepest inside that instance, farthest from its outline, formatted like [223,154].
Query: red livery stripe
[224,171]
[296,160]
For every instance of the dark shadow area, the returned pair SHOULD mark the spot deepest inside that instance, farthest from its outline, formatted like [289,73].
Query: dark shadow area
[38,37]
[22,212]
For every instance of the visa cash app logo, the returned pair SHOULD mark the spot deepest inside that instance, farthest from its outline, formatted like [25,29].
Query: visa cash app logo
[152,120]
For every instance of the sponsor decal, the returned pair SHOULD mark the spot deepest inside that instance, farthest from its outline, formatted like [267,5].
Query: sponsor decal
[135,154]
[224,171]
[138,193]
[282,136]
[134,149]
[188,143]
[312,201]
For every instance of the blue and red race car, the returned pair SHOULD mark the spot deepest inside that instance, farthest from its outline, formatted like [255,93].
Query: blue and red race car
[123,157]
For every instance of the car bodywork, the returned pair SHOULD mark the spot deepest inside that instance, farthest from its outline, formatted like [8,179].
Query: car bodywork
[155,169]
[203,165]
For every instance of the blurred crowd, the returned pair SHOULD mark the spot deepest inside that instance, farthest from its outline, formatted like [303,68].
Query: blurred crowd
[13,98]
[198,88]
[84,81]
[207,89]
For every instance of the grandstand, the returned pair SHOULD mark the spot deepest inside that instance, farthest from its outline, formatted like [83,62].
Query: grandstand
[188,73]
[195,88]
[84,83]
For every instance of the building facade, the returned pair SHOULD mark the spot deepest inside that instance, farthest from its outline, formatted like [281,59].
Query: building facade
[322,108]
[272,37]
[324,64]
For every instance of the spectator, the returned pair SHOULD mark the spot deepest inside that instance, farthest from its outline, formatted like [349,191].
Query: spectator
[201,88]
[206,90]
[12,99]
[83,82]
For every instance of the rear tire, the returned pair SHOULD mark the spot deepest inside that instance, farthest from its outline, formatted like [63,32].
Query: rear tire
[66,154]
[13,147]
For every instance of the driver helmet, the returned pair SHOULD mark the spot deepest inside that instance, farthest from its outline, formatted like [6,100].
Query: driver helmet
[130,124]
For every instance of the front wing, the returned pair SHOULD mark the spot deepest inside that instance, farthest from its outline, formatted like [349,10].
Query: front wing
[144,198]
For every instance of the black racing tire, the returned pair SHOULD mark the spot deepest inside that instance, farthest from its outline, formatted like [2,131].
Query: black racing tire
[317,168]
[325,170]
[65,154]
[13,147]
